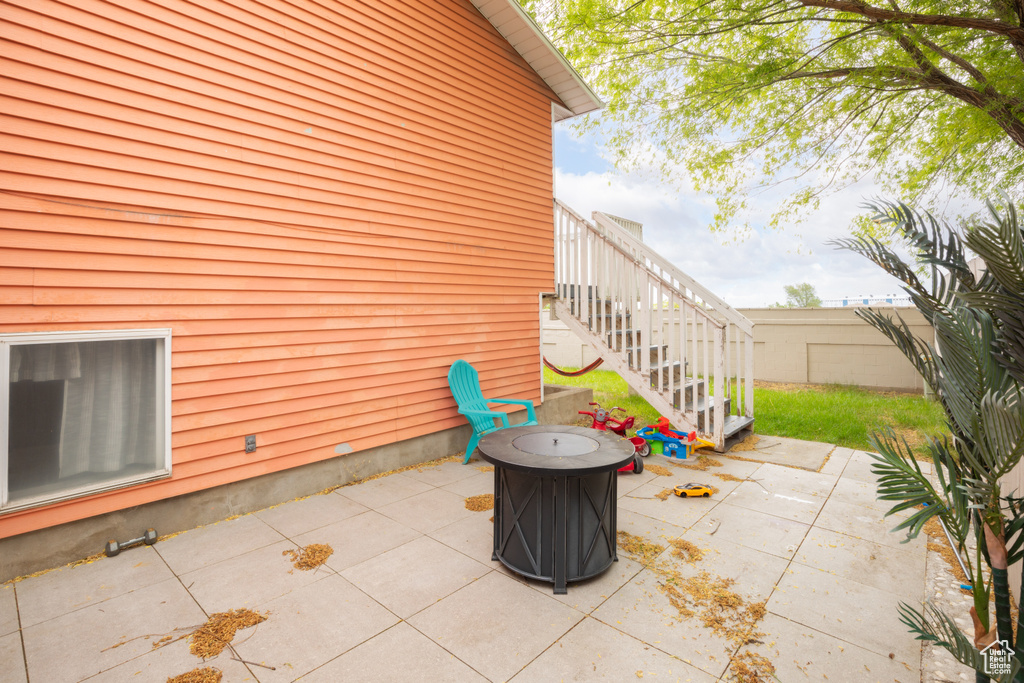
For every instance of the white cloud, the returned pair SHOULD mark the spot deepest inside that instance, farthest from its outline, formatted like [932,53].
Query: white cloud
[749,273]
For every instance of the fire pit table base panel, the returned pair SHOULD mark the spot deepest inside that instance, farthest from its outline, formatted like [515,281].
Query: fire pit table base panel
[555,528]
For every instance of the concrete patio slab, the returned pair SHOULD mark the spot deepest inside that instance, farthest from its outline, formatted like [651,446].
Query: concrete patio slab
[13,669]
[681,512]
[864,522]
[408,654]
[892,569]
[755,572]
[384,491]
[640,609]
[808,455]
[8,610]
[415,575]
[413,594]
[496,625]
[594,651]
[788,503]
[478,484]
[472,536]
[267,574]
[91,640]
[72,588]
[758,530]
[208,545]
[836,461]
[174,659]
[778,478]
[358,538]
[800,653]
[311,513]
[427,511]
[311,626]
[848,610]
[443,474]
[588,595]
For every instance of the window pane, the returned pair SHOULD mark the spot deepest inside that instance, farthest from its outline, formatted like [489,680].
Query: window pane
[83,414]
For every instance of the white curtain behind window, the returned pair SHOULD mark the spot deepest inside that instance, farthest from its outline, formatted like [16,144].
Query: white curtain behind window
[109,409]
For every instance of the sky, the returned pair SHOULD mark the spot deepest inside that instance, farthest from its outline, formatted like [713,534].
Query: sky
[748,274]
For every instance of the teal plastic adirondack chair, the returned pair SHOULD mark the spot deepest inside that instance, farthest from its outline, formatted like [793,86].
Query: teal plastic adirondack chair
[464,383]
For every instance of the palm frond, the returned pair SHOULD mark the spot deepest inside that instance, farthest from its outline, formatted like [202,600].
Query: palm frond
[933,625]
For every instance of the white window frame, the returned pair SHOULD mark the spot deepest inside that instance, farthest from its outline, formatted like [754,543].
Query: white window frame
[163,425]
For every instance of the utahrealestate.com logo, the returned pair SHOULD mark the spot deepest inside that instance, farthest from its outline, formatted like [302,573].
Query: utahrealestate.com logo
[998,658]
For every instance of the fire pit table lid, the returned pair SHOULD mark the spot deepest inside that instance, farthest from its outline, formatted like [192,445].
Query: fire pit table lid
[556,450]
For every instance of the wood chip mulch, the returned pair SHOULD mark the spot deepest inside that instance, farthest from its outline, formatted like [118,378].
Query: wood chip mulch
[310,556]
[205,675]
[702,463]
[481,503]
[659,470]
[640,549]
[663,494]
[210,639]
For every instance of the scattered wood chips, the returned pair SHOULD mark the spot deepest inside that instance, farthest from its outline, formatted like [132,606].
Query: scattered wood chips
[640,549]
[725,476]
[750,667]
[311,556]
[708,598]
[659,470]
[702,463]
[484,501]
[205,675]
[210,639]
[664,494]
[486,468]
[686,550]
[748,444]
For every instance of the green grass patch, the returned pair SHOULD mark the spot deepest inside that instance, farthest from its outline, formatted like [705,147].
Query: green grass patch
[836,414]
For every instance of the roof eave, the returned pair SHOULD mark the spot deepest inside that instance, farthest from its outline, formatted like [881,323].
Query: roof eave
[522,32]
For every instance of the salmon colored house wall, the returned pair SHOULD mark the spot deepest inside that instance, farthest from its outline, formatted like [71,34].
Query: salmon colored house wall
[326,201]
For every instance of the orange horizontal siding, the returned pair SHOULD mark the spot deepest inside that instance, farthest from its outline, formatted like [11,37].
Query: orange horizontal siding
[326,202]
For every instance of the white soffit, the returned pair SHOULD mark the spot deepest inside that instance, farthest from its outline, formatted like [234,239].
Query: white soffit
[519,29]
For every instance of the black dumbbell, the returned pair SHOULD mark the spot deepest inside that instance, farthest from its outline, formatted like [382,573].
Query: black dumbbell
[113,547]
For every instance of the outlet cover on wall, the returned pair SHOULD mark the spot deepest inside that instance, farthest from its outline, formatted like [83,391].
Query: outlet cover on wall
[250,443]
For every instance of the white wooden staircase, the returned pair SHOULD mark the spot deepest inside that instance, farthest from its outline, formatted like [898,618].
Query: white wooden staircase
[687,352]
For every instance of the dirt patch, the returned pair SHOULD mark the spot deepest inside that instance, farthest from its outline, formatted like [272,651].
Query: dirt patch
[481,503]
[210,639]
[205,675]
[660,470]
[310,556]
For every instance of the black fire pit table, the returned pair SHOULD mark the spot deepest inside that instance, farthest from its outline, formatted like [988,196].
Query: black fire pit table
[555,495]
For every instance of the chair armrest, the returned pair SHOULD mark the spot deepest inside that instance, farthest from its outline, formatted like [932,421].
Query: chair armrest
[530,415]
[487,413]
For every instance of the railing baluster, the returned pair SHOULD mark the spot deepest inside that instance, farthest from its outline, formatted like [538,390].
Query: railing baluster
[624,282]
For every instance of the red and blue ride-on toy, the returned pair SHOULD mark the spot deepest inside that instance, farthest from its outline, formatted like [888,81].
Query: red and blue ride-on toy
[603,420]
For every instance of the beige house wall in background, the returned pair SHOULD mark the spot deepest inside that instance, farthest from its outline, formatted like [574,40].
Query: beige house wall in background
[798,345]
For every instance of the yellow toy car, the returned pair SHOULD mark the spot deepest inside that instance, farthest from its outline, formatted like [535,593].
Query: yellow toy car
[688,490]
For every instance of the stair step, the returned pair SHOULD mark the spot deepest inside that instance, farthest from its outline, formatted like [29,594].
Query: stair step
[738,427]
[701,402]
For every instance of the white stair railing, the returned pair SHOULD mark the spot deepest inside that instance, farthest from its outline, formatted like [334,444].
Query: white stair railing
[662,331]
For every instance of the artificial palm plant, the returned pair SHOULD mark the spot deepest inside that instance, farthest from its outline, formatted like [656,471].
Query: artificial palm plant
[975,366]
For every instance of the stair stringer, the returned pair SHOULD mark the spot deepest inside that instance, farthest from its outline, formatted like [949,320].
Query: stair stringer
[634,378]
